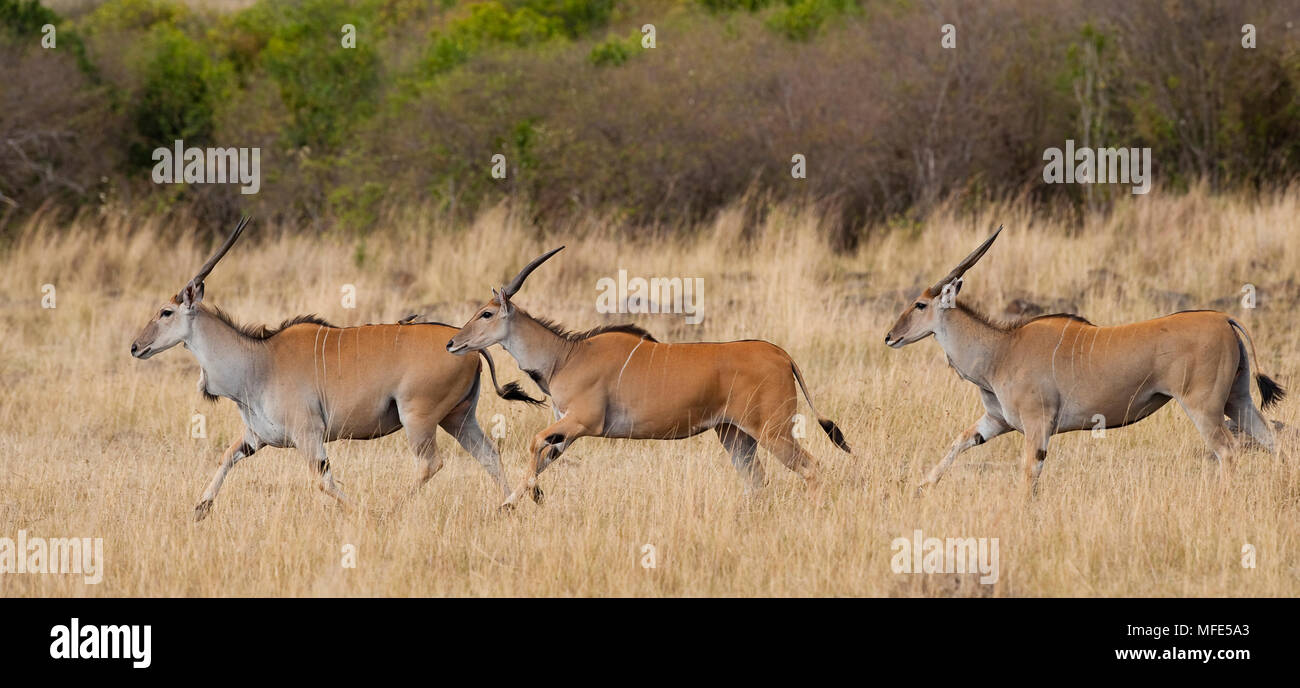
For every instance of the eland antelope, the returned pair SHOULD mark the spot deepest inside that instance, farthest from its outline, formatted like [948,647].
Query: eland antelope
[307,382]
[621,382]
[1058,373]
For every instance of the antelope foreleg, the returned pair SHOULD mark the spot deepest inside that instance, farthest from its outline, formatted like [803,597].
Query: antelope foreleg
[984,429]
[239,449]
[546,447]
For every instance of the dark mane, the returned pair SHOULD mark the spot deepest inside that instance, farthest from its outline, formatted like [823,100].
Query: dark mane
[575,336]
[1009,325]
[1067,316]
[262,332]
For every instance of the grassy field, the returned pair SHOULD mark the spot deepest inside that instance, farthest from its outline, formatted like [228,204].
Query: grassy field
[96,444]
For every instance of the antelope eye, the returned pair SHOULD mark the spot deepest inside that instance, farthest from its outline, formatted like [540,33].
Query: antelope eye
[485,315]
[920,306]
[166,313]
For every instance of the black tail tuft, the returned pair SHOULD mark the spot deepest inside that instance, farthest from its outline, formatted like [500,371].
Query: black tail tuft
[1270,392]
[514,392]
[833,432]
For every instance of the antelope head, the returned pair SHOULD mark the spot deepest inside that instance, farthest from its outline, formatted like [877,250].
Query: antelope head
[174,321]
[920,319]
[491,323]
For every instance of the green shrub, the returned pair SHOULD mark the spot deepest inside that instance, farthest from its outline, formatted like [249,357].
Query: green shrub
[614,51]
[730,5]
[136,15]
[576,18]
[800,20]
[514,22]
[357,207]
[873,104]
[181,88]
[24,19]
[327,88]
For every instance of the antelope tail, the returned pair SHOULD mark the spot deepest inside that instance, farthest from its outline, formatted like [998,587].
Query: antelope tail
[512,391]
[832,430]
[1270,392]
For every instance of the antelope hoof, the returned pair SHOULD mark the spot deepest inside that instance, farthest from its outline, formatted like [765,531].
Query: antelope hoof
[506,507]
[202,510]
[538,495]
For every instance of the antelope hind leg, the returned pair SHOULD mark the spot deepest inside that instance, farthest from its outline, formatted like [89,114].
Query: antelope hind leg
[744,455]
[313,449]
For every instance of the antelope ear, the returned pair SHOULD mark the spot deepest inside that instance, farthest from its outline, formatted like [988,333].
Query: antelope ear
[503,300]
[192,294]
[948,295]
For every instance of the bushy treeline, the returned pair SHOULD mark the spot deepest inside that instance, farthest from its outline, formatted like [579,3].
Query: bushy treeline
[888,119]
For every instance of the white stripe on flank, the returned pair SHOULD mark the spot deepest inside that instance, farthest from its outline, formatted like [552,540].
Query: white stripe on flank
[1058,348]
[629,360]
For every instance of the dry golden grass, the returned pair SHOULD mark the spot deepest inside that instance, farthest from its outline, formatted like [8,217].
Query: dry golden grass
[96,444]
